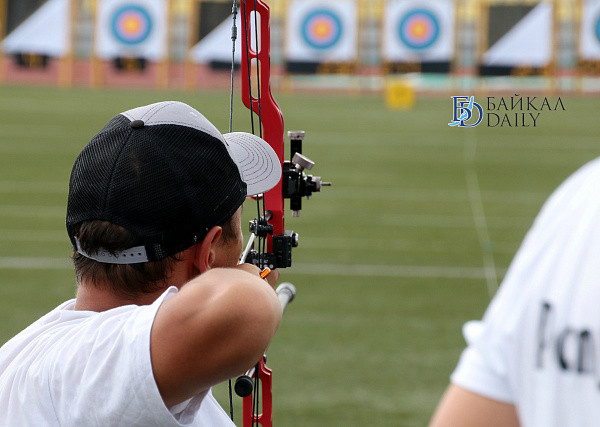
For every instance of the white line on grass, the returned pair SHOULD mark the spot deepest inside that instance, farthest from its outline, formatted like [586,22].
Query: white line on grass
[489,266]
[360,270]
[421,271]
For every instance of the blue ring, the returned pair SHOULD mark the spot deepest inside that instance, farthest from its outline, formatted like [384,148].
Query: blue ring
[138,39]
[432,38]
[598,28]
[330,15]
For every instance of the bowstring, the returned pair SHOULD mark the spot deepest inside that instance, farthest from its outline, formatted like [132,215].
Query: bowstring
[262,241]
[234,12]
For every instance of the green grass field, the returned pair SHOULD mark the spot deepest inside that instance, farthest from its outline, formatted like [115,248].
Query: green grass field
[421,222]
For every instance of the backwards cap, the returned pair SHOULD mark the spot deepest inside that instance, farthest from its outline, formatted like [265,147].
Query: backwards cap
[167,175]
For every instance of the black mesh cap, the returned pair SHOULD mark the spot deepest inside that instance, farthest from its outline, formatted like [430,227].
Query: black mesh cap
[167,175]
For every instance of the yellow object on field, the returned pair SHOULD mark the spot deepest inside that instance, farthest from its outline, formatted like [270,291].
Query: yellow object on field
[399,95]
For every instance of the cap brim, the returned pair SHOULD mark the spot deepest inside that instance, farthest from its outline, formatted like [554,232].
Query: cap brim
[258,163]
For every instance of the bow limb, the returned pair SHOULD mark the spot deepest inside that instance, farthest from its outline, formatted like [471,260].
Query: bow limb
[251,417]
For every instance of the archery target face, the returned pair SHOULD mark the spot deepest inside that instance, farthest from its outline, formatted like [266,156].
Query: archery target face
[419,29]
[589,31]
[131,28]
[321,29]
[131,24]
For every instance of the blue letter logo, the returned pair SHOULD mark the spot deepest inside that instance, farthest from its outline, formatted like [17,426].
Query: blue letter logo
[463,111]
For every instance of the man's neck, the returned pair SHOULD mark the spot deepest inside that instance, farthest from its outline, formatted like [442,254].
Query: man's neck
[91,298]
[102,298]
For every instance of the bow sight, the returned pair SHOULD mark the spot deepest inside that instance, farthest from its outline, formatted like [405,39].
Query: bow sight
[295,185]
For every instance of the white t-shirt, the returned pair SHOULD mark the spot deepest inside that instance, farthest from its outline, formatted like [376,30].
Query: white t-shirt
[82,368]
[538,345]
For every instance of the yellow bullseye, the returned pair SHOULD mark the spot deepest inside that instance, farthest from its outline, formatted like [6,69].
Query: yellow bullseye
[322,29]
[418,29]
[131,25]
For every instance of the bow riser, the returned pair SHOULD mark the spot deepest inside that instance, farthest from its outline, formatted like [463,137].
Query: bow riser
[258,52]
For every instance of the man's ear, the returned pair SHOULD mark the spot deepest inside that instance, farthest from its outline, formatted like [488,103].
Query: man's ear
[205,254]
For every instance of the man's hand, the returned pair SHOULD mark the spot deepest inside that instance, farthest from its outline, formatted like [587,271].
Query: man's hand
[271,278]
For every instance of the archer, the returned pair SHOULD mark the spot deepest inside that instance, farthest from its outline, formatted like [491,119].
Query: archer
[163,312]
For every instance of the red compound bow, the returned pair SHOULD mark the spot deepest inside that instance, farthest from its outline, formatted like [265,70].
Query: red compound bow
[275,243]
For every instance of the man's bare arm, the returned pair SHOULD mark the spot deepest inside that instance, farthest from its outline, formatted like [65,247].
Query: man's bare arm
[216,327]
[462,408]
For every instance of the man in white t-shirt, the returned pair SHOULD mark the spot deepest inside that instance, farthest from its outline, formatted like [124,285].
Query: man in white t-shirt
[162,312]
[534,359]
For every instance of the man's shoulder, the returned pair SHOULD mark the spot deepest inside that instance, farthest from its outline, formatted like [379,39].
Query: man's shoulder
[78,330]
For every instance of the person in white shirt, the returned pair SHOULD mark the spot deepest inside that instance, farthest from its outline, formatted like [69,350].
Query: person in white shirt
[163,312]
[534,358]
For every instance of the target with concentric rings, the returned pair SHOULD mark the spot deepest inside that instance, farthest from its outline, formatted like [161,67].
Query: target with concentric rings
[321,29]
[131,24]
[419,29]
